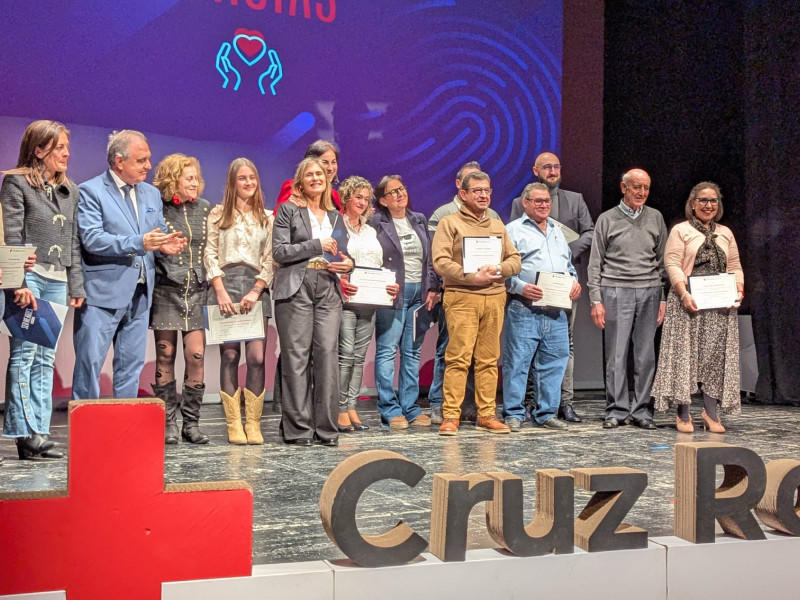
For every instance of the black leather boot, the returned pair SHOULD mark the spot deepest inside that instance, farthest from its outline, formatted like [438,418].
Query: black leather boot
[190,409]
[169,394]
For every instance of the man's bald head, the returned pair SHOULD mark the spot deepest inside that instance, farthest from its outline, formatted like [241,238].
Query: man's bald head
[547,169]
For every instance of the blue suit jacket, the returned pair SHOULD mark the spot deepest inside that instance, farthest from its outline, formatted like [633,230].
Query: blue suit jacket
[393,251]
[112,245]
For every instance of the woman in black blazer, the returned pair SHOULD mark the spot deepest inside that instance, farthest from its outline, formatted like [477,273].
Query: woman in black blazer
[403,235]
[308,307]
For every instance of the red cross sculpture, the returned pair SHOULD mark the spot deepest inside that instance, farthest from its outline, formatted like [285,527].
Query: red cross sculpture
[117,531]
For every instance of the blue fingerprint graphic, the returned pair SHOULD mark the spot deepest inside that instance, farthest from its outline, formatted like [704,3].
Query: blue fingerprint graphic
[489,94]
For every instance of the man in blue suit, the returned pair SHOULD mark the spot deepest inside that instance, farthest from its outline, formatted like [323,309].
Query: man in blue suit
[121,224]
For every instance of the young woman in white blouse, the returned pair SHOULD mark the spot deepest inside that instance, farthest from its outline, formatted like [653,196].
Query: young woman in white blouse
[358,320]
[238,260]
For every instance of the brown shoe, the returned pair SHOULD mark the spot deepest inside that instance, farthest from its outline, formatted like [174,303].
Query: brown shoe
[492,425]
[421,421]
[398,423]
[448,427]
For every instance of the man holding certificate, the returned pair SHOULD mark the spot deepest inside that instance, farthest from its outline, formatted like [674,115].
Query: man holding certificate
[536,321]
[474,301]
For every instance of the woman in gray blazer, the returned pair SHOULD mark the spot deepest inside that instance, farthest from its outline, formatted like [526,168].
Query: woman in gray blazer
[40,208]
[308,307]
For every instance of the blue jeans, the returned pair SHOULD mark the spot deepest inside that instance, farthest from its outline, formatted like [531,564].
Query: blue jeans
[395,329]
[435,392]
[539,336]
[29,377]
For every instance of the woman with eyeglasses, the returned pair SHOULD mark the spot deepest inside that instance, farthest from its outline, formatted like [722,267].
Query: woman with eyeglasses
[403,236]
[700,348]
[40,207]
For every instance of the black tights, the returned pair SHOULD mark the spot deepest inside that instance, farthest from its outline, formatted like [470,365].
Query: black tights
[229,355]
[194,346]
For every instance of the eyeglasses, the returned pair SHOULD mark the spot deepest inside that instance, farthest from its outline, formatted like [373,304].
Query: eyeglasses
[707,201]
[396,193]
[539,201]
[481,191]
[550,167]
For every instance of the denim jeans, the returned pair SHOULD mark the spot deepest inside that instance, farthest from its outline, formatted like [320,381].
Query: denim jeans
[394,329]
[539,336]
[435,392]
[29,377]
[355,333]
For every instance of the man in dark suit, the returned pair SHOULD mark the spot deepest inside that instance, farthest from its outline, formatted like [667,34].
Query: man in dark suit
[121,224]
[570,210]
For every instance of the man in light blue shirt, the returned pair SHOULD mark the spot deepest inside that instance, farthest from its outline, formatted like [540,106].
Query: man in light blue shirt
[536,334]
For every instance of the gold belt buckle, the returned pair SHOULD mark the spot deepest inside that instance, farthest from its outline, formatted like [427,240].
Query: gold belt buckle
[317,265]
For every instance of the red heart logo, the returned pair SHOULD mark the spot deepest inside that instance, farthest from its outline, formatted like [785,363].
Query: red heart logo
[250,45]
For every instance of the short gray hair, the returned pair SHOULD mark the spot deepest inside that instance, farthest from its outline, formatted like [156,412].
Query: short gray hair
[473,164]
[119,143]
[534,186]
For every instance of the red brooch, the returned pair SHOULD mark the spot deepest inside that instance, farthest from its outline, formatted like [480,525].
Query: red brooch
[176,200]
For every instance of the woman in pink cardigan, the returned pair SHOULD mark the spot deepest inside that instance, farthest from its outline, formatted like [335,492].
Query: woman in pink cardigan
[700,348]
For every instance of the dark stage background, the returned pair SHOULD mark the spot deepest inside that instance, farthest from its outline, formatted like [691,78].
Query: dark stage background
[709,91]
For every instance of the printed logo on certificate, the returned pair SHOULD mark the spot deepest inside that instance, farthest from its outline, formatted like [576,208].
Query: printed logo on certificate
[556,288]
[371,284]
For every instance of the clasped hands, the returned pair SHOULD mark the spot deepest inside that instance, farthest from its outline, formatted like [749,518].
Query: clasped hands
[166,243]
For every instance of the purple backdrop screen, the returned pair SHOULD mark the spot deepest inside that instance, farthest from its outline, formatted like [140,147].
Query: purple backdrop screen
[416,88]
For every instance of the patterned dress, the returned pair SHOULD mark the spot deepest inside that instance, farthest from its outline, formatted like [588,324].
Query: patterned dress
[699,350]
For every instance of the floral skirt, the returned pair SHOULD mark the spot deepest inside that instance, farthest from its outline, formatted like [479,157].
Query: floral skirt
[698,350]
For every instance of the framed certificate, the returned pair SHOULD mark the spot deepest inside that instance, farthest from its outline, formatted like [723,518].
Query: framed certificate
[371,285]
[713,291]
[233,328]
[480,251]
[556,288]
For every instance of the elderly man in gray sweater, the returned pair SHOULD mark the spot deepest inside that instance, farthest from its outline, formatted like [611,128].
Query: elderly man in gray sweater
[626,289]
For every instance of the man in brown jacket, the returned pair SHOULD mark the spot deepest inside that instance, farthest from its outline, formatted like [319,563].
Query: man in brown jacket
[474,303]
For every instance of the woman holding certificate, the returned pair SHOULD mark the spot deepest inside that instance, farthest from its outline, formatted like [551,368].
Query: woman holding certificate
[700,348]
[358,320]
[403,235]
[179,296]
[238,261]
[308,306]
[40,207]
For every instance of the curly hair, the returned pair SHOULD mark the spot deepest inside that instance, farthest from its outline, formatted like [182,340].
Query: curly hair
[349,186]
[169,171]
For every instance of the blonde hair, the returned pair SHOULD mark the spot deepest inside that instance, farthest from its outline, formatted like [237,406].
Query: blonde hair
[297,185]
[169,171]
[350,186]
[40,135]
[228,216]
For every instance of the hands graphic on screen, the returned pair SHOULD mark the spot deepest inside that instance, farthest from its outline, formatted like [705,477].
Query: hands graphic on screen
[251,48]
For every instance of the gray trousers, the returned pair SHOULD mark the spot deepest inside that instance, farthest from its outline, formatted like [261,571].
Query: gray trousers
[631,317]
[568,383]
[307,323]
[355,333]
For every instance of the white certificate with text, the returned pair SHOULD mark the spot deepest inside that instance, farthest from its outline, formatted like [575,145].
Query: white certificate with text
[713,291]
[233,328]
[12,262]
[555,289]
[480,251]
[371,285]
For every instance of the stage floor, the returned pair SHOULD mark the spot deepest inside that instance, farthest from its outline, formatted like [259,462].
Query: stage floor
[287,480]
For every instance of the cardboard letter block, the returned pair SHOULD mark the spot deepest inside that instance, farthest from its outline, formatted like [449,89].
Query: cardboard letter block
[453,499]
[777,508]
[698,501]
[339,499]
[552,527]
[599,527]
[118,531]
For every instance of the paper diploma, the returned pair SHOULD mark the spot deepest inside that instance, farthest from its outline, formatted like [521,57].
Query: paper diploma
[480,251]
[555,289]
[233,328]
[12,262]
[371,285]
[713,291]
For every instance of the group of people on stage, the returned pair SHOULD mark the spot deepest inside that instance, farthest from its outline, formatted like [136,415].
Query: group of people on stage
[128,255]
